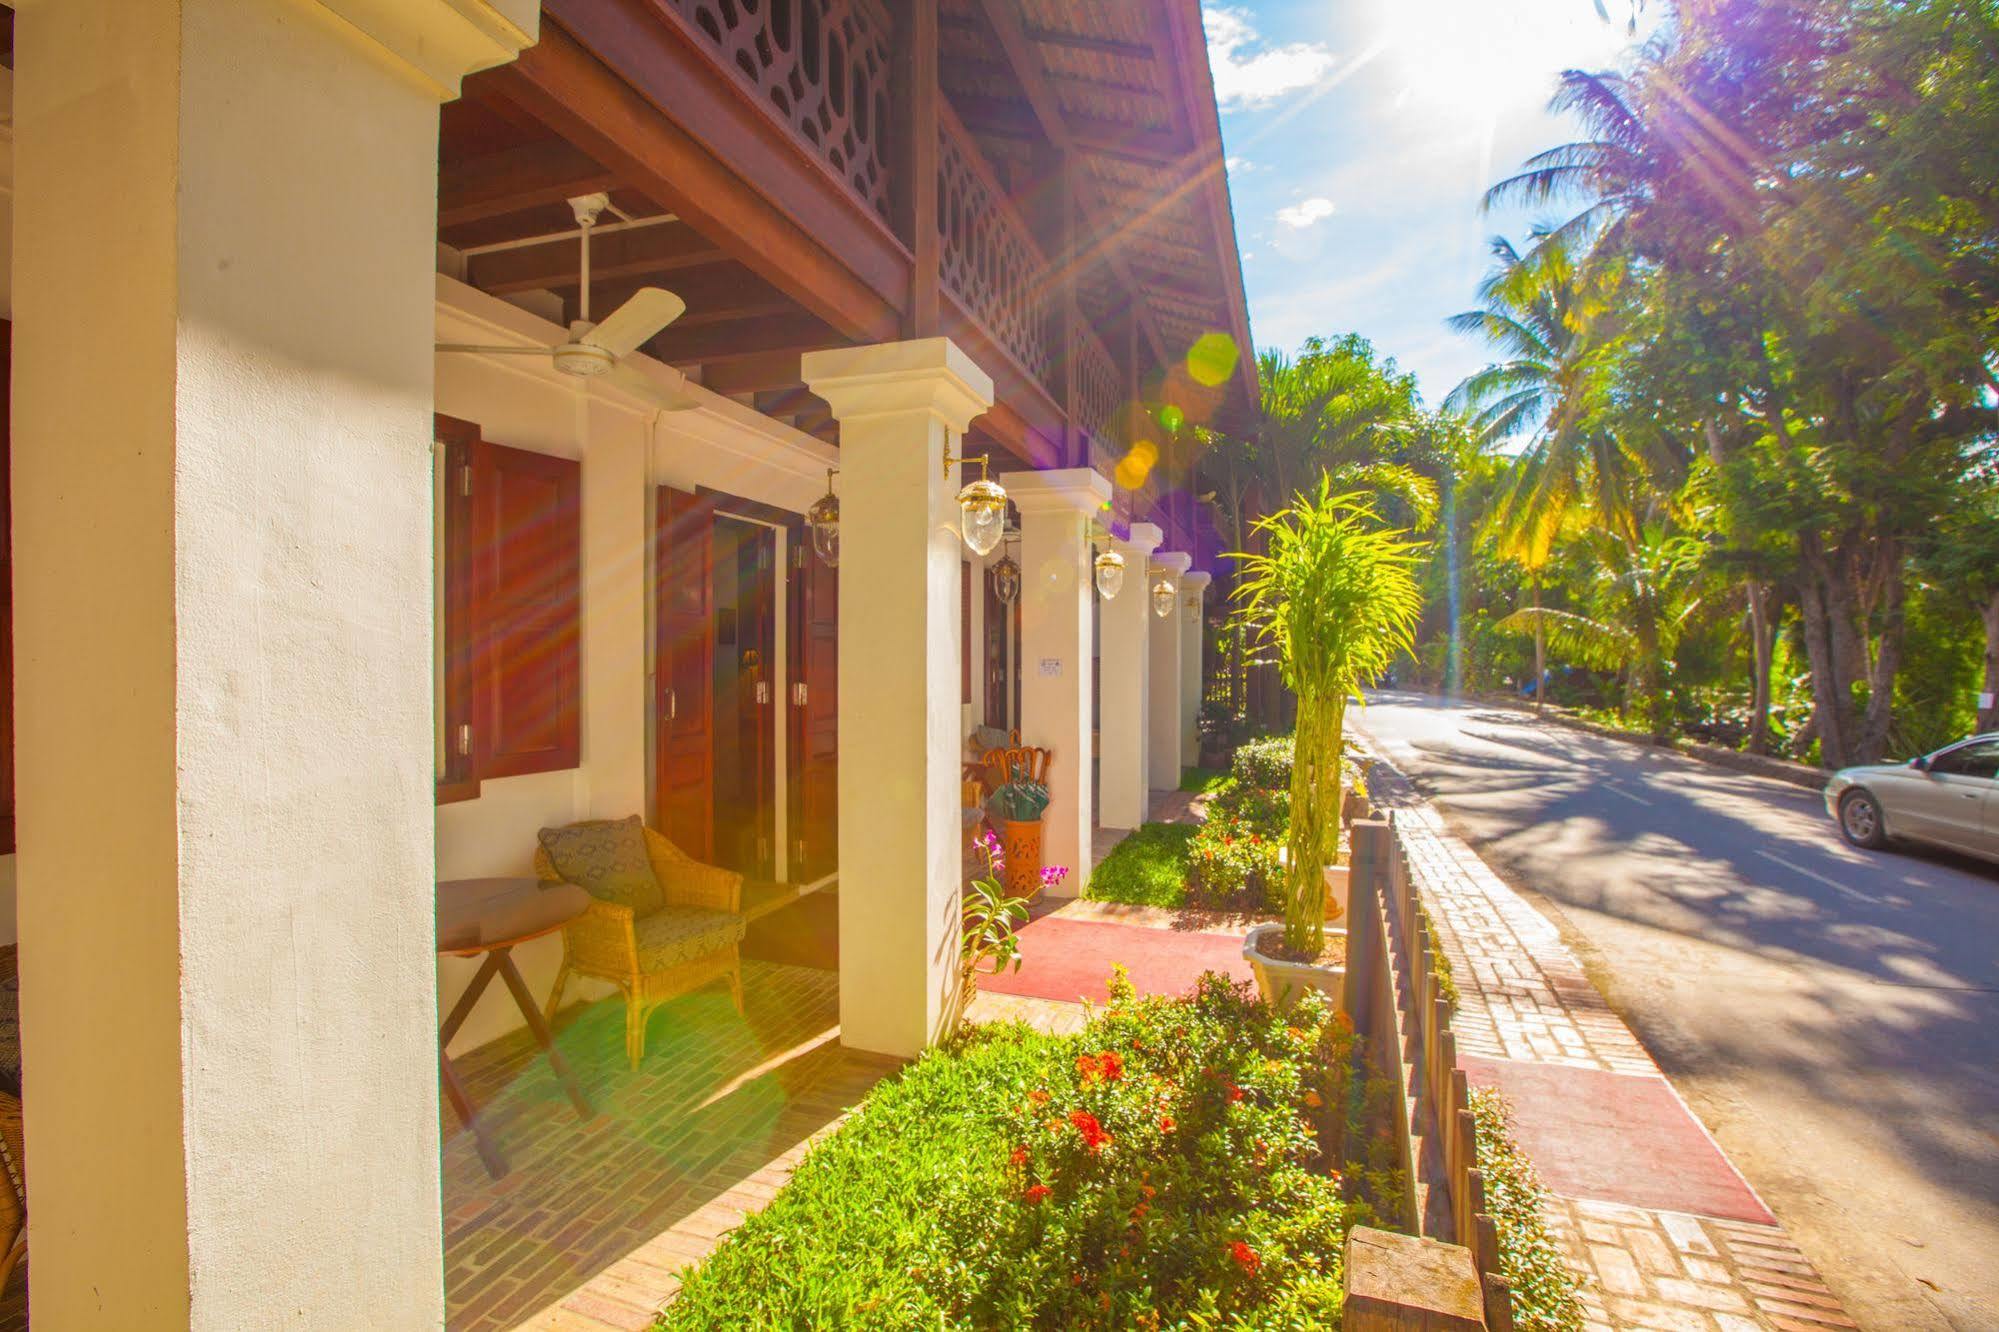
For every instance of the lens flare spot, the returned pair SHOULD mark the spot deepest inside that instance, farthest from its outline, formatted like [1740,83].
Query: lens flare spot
[1171,418]
[1212,359]
[1137,464]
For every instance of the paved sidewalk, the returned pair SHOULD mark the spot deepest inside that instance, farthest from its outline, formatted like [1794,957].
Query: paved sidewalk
[1638,1180]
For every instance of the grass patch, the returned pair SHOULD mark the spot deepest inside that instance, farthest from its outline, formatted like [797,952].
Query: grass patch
[1165,1167]
[1200,781]
[1544,1290]
[1148,868]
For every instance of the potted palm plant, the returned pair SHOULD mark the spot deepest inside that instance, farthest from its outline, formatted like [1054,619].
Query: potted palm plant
[1334,594]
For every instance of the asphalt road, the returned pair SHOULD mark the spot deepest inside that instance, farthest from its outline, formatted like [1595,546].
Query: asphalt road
[1832,1014]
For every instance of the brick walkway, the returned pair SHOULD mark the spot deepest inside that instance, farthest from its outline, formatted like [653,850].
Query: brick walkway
[591,1227]
[1524,998]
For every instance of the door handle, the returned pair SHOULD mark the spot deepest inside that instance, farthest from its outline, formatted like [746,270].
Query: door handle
[672,705]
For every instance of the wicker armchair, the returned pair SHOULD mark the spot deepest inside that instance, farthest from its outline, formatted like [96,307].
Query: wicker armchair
[648,957]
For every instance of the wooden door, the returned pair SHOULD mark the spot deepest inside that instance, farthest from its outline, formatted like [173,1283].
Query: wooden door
[814,696]
[683,670]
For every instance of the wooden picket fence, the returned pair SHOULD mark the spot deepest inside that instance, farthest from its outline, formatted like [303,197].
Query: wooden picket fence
[1392,996]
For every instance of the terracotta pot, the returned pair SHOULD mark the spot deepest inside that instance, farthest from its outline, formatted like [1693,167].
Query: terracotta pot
[1281,981]
[1020,843]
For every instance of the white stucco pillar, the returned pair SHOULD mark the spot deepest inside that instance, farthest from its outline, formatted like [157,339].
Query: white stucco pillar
[1193,618]
[900,405]
[1056,591]
[1163,730]
[1123,695]
[225,231]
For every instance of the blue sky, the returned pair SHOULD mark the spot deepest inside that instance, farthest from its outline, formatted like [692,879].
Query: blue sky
[1360,135]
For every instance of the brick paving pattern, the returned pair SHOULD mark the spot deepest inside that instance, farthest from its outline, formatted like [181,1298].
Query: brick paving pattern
[1523,996]
[596,1219]
[1670,1270]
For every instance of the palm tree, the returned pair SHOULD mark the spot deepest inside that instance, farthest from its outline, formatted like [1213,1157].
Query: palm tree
[1532,313]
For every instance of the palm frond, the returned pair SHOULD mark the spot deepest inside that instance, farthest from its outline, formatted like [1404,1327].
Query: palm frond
[1578,638]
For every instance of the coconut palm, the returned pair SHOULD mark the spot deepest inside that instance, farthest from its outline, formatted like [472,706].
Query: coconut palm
[1335,594]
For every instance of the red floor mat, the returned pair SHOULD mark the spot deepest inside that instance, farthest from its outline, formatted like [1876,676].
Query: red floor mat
[1071,959]
[1617,1137]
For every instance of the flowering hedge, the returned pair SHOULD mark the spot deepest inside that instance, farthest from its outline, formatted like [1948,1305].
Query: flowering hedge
[1232,865]
[1165,1168]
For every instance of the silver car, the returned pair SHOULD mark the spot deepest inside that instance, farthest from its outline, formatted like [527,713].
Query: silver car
[1949,799]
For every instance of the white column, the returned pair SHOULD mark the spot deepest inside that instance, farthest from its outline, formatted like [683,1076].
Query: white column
[1056,588]
[225,235]
[1193,617]
[1123,698]
[1163,745]
[900,405]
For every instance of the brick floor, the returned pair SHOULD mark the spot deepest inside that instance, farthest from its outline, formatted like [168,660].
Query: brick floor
[592,1225]
[1523,996]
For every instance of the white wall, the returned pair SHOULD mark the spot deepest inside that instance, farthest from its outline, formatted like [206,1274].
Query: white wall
[627,447]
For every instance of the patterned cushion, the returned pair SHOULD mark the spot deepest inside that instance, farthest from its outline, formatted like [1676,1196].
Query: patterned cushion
[608,860]
[673,935]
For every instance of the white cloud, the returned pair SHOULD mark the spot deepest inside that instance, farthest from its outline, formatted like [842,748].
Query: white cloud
[1306,213]
[1252,78]
[1237,165]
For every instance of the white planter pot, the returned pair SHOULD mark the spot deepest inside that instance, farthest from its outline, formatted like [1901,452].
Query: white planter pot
[1336,892]
[1282,981]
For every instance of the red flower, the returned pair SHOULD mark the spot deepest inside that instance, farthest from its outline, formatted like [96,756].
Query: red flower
[1020,1156]
[1086,1124]
[1037,1193]
[1087,1068]
[1314,1100]
[1245,1257]
[1110,1066]
[1235,1092]
[1038,1097]
[1166,1123]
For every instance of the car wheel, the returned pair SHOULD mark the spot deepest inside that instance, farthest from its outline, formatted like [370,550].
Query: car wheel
[1860,820]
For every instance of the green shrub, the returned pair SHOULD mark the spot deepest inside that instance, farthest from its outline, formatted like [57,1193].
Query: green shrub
[1164,1167]
[1267,812]
[1232,865]
[1544,1288]
[1148,868]
[1265,764]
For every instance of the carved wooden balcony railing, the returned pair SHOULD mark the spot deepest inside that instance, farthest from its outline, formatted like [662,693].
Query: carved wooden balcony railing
[1097,385]
[823,66]
[988,259]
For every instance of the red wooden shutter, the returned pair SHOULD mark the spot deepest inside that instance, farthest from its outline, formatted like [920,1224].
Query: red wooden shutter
[684,667]
[527,537]
[815,733]
[6,590]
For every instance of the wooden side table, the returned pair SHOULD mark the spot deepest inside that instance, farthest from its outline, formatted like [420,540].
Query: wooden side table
[492,917]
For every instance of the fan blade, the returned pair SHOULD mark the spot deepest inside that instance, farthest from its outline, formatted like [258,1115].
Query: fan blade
[644,386]
[493,351]
[632,324]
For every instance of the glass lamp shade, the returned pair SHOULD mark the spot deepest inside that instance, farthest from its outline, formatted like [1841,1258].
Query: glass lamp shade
[1110,574]
[1162,598]
[825,519]
[982,507]
[1006,580]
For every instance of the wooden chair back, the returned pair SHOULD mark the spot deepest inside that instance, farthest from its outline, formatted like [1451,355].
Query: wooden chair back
[1020,762]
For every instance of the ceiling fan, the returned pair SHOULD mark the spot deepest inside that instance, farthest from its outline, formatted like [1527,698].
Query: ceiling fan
[597,349]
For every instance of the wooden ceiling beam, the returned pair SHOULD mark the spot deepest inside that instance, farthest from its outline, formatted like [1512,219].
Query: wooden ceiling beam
[1072,40]
[1008,27]
[715,288]
[753,374]
[1013,120]
[748,339]
[666,248]
[713,158]
[515,179]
